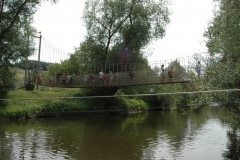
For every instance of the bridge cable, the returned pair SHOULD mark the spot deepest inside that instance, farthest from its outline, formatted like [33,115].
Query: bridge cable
[135,95]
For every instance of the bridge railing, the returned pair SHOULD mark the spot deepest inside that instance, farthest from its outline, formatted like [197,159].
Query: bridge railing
[119,79]
[184,71]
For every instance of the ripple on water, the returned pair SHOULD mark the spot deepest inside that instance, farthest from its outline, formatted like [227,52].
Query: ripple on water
[31,145]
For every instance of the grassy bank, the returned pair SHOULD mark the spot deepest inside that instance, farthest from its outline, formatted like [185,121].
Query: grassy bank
[21,104]
[47,101]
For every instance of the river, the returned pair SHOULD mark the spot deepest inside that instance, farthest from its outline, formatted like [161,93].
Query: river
[185,134]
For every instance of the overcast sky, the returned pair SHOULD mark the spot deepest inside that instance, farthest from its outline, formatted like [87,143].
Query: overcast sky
[62,26]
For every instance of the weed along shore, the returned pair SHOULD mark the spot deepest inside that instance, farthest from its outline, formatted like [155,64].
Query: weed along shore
[51,102]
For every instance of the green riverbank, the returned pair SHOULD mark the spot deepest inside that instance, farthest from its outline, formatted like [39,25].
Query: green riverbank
[47,101]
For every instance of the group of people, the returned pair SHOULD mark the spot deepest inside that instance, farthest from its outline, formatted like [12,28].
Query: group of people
[107,78]
[65,78]
[104,78]
[170,73]
[37,77]
[91,78]
[171,70]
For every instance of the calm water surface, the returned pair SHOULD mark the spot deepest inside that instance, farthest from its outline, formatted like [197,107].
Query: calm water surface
[200,134]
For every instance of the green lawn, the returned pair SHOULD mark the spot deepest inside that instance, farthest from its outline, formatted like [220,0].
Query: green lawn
[21,104]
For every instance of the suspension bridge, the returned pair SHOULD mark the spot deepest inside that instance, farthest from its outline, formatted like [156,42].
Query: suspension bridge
[113,74]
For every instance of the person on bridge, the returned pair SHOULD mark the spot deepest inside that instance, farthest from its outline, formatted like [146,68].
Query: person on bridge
[117,78]
[162,72]
[101,77]
[35,76]
[110,78]
[198,69]
[40,77]
[132,75]
[85,77]
[170,73]
[58,75]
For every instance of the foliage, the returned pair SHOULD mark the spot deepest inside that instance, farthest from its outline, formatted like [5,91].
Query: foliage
[16,35]
[58,107]
[7,81]
[223,70]
[21,109]
[134,104]
[17,108]
[155,101]
[127,25]
[18,111]
[71,65]
[16,40]
[168,100]
[165,100]
[32,65]
[30,86]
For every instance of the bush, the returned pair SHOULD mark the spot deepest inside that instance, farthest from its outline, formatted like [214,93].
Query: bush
[6,81]
[3,92]
[30,86]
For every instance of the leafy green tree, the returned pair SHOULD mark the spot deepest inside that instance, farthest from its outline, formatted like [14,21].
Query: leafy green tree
[78,63]
[223,44]
[16,40]
[32,64]
[74,64]
[16,30]
[113,25]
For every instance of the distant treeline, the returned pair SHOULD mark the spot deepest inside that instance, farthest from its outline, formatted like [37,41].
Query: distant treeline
[32,65]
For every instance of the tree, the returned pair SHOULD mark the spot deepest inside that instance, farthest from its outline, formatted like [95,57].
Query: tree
[223,45]
[119,29]
[16,40]
[16,30]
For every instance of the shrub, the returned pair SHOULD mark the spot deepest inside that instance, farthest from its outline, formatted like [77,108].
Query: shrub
[30,86]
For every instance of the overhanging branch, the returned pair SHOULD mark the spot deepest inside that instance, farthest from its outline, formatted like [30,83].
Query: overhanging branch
[3,33]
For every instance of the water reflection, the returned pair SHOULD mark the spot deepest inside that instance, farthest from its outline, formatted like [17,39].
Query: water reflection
[175,134]
[233,145]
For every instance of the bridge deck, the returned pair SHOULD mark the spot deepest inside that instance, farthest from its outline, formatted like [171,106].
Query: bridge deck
[120,79]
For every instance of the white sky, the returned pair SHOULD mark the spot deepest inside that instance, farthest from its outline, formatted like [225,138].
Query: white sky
[62,26]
